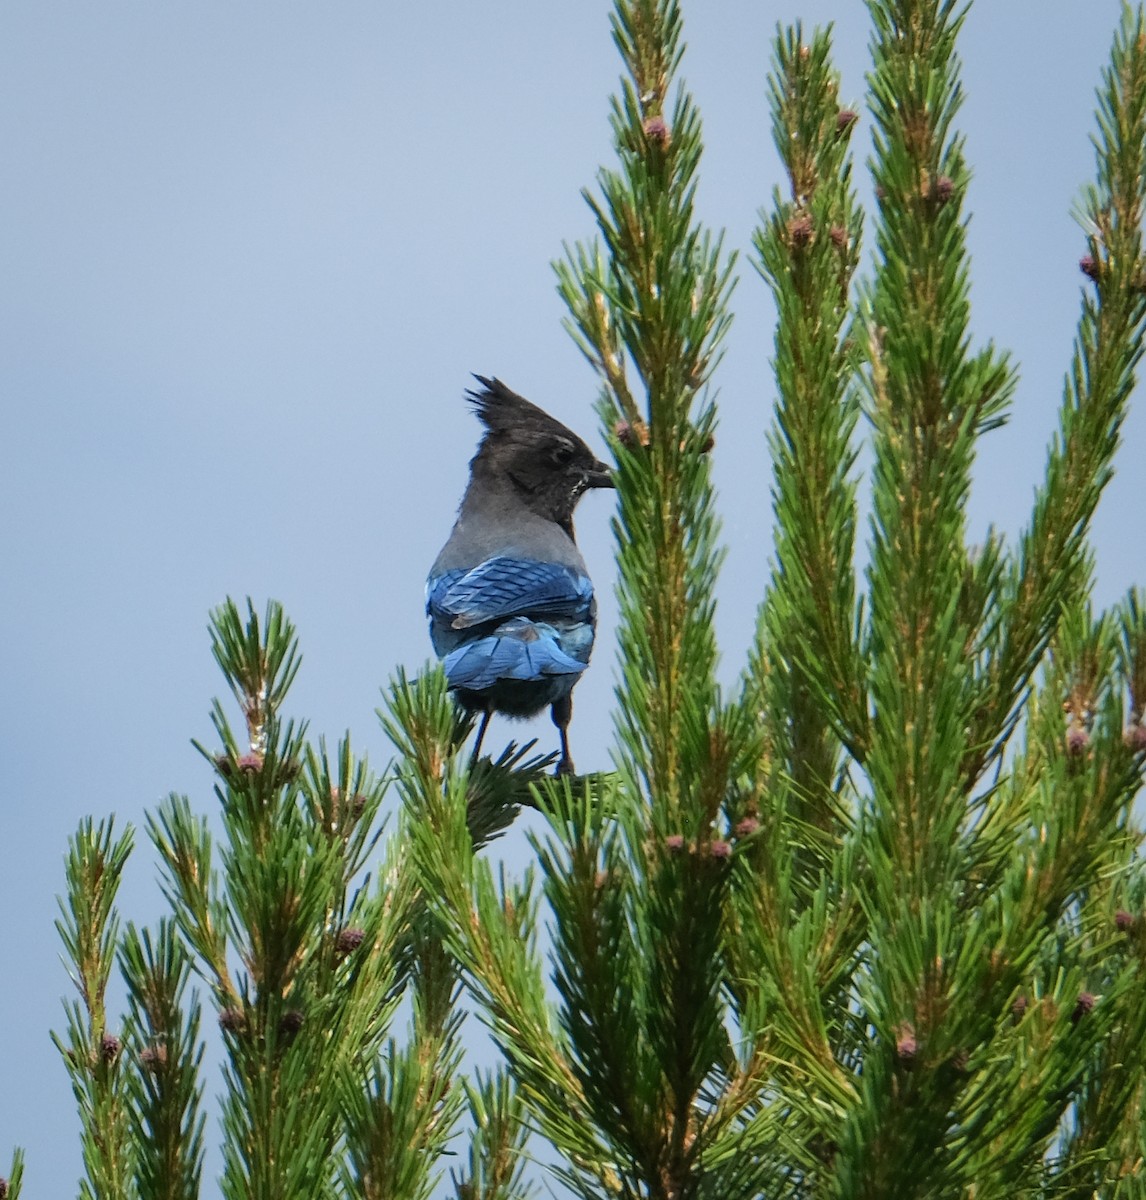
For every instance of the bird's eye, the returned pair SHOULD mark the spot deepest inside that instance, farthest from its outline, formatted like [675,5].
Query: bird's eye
[563,454]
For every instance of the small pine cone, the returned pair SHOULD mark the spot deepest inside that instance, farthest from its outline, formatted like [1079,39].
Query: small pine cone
[290,1023]
[249,764]
[349,940]
[674,843]
[3,1189]
[1123,920]
[719,850]
[630,435]
[839,236]
[1077,740]
[943,189]
[1084,1004]
[906,1047]
[746,827]
[1134,739]
[656,130]
[845,119]
[1019,1007]
[800,230]
[232,1020]
[153,1058]
[109,1048]
[1088,266]
[288,770]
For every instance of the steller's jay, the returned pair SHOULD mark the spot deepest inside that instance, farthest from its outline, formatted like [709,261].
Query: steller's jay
[510,603]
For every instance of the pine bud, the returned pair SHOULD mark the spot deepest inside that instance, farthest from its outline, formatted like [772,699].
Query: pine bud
[630,435]
[656,130]
[1123,920]
[1077,740]
[906,1047]
[349,940]
[746,827]
[943,190]
[232,1020]
[719,850]
[109,1048]
[839,236]
[290,1023]
[800,230]
[674,843]
[1088,266]
[1134,739]
[1019,1007]
[1084,1004]
[845,119]
[289,770]
[245,764]
[3,1189]
[153,1058]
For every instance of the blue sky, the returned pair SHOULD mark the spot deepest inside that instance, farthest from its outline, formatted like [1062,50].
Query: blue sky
[249,256]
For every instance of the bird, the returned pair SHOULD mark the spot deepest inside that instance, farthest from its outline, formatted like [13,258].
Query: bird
[509,599]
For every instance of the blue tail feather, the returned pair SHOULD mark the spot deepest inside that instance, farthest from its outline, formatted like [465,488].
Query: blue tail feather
[517,650]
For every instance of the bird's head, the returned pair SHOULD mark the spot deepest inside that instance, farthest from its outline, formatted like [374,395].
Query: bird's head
[547,464]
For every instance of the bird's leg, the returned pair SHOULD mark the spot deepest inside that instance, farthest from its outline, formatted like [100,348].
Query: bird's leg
[481,734]
[562,713]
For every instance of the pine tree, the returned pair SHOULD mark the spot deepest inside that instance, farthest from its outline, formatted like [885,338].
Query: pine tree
[873,924]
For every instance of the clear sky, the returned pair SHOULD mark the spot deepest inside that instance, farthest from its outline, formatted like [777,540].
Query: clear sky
[249,255]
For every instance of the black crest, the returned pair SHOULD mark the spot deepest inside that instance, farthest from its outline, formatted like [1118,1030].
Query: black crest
[505,414]
[548,464]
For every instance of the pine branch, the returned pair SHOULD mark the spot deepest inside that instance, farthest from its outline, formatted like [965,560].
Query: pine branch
[1053,565]
[303,958]
[807,663]
[10,1186]
[925,988]
[497,1148]
[91,1050]
[661,300]
[489,930]
[402,1110]
[639,913]
[929,398]
[167,1055]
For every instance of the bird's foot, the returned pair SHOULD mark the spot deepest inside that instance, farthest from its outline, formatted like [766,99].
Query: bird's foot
[565,768]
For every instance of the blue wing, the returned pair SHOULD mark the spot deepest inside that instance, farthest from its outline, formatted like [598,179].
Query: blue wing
[514,626]
[505,587]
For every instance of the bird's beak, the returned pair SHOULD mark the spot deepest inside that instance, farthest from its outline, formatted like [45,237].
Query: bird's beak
[599,476]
